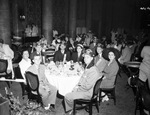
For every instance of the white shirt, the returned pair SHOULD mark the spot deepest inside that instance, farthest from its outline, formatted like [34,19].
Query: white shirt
[100,56]
[24,65]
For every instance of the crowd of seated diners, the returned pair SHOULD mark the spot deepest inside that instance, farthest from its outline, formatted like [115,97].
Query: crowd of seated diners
[107,54]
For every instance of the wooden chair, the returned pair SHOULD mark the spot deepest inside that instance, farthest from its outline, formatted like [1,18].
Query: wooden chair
[110,92]
[33,87]
[18,75]
[49,54]
[120,69]
[89,102]
[3,69]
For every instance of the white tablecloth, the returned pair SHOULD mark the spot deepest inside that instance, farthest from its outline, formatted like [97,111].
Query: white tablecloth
[14,80]
[63,82]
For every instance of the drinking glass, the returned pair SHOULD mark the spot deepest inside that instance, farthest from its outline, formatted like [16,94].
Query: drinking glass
[57,63]
[71,64]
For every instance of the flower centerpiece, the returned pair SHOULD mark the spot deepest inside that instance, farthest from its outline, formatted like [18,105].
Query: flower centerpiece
[24,107]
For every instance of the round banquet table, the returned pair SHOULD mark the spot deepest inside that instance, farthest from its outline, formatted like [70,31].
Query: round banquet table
[132,64]
[63,77]
[64,84]
[133,67]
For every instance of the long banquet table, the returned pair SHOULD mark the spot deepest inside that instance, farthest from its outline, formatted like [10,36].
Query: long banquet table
[63,79]
[13,80]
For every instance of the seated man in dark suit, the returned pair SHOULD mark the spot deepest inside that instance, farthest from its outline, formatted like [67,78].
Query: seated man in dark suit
[38,51]
[62,54]
[78,56]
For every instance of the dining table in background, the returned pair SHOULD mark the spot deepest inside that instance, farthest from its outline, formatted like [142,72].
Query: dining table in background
[133,67]
[13,80]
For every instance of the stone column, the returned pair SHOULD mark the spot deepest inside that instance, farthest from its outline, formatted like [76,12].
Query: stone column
[66,16]
[47,20]
[88,15]
[15,18]
[5,33]
[100,19]
[72,18]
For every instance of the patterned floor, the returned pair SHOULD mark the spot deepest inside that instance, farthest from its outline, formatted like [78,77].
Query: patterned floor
[125,100]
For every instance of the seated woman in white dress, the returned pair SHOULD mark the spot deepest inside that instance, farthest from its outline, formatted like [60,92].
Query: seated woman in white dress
[25,63]
[7,53]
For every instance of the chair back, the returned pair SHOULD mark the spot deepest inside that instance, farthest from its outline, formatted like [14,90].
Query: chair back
[3,65]
[17,72]
[17,57]
[32,81]
[116,78]
[96,88]
[118,73]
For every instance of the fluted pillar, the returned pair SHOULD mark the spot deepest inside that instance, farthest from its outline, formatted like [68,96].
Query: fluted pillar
[66,16]
[100,19]
[47,20]
[88,15]
[5,21]
[72,18]
[15,18]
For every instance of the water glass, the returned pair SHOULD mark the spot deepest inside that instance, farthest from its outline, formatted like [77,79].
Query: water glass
[57,63]
[71,64]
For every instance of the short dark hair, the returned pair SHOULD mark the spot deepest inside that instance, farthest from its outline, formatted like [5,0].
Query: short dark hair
[65,44]
[1,41]
[101,46]
[89,52]
[24,51]
[37,55]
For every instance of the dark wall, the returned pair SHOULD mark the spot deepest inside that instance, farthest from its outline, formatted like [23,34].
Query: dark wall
[81,13]
[33,12]
[109,14]
[60,15]
[105,15]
